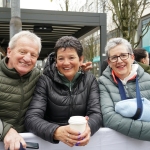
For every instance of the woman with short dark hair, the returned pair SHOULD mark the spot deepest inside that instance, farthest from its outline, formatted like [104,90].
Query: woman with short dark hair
[64,90]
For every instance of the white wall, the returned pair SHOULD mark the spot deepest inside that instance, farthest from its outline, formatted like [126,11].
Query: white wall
[104,139]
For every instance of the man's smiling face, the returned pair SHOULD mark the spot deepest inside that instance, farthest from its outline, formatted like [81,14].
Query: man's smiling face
[23,56]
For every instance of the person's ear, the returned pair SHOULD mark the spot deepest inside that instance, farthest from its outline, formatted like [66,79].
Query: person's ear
[133,58]
[81,60]
[55,61]
[8,52]
[56,64]
[109,63]
[38,56]
[142,60]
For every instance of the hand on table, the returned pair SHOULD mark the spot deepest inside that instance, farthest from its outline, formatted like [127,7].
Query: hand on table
[66,135]
[12,140]
[71,137]
[84,138]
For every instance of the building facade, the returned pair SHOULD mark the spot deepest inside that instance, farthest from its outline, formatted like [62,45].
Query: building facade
[145,28]
[101,7]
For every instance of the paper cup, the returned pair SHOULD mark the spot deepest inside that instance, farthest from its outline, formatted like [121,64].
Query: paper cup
[78,123]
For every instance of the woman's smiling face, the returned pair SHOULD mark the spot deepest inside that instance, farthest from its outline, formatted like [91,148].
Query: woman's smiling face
[68,62]
[121,68]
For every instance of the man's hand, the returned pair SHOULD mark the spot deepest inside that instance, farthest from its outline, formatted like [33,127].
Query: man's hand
[86,66]
[12,140]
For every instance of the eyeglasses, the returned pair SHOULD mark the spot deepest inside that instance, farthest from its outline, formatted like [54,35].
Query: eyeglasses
[123,56]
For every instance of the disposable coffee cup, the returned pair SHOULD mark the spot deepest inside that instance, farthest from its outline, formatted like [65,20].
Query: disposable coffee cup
[78,123]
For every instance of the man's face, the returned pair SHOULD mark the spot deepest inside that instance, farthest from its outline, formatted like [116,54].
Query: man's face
[23,56]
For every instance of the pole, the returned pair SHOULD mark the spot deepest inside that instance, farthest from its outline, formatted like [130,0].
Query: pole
[15,22]
[4,3]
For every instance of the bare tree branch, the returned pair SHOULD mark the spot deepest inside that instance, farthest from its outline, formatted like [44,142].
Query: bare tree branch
[126,15]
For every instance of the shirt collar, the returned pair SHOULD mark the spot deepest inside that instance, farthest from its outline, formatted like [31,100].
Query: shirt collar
[131,76]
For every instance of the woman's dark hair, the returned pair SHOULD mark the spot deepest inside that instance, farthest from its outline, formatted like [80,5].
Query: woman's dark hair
[69,42]
[139,54]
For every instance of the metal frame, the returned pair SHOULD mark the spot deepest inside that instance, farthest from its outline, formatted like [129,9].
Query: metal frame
[79,23]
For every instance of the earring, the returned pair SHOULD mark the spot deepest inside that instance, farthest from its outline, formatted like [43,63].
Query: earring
[80,68]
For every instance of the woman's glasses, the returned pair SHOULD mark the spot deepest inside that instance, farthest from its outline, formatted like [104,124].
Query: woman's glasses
[123,56]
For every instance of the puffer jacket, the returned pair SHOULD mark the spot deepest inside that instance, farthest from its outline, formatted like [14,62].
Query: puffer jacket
[53,103]
[109,96]
[15,96]
[145,67]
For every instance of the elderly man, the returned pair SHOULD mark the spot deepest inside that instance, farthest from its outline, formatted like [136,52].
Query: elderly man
[18,77]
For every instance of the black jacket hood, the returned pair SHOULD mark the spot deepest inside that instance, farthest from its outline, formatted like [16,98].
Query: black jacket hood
[50,69]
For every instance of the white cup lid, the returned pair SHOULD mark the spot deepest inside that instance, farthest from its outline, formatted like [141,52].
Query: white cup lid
[77,120]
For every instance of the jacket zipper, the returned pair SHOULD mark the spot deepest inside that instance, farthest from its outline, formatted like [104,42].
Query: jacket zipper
[71,100]
[70,92]
[128,91]
[22,99]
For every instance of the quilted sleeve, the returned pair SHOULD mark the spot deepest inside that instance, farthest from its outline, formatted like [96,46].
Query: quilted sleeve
[109,95]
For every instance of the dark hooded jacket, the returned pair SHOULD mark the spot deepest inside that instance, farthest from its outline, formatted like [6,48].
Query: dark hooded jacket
[54,102]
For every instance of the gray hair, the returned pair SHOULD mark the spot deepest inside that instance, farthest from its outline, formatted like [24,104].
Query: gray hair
[28,34]
[115,42]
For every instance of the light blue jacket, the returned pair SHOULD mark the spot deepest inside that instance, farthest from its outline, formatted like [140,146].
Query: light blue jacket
[109,96]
